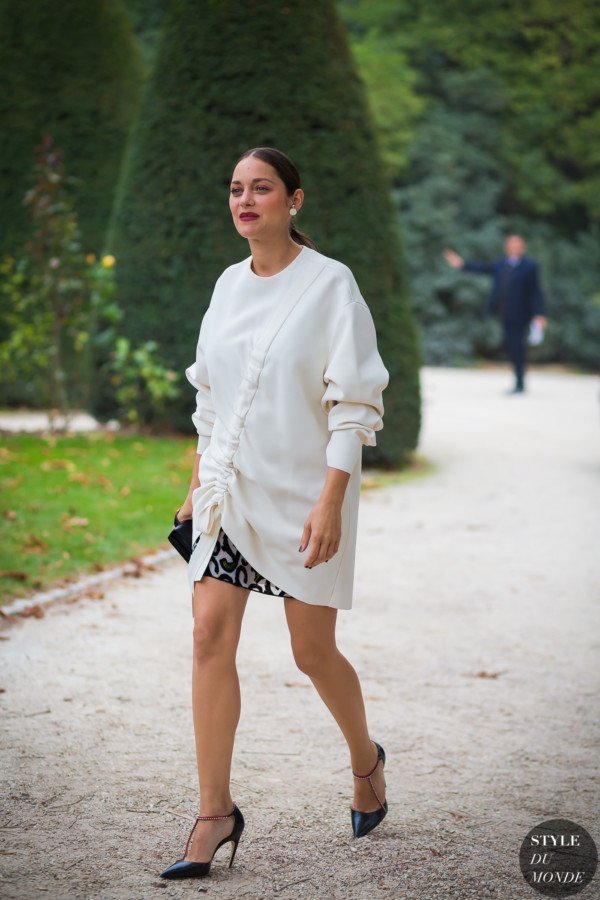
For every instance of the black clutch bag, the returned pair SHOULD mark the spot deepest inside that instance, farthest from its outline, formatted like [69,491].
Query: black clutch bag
[181,537]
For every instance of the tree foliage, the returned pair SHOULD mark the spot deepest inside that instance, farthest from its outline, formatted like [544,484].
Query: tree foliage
[72,70]
[59,317]
[506,138]
[546,55]
[147,17]
[242,75]
[47,316]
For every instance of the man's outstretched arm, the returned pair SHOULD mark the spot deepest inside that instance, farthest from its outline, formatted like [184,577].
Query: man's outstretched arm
[457,262]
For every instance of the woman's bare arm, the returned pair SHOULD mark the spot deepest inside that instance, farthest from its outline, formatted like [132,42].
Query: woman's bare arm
[186,509]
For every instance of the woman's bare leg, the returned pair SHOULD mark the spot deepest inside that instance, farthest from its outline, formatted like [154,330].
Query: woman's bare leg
[312,631]
[218,611]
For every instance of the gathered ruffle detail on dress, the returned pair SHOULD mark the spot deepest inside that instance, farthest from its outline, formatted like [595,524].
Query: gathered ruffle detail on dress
[288,402]
[218,469]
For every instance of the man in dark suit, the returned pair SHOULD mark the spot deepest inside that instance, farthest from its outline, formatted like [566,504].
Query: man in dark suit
[516,297]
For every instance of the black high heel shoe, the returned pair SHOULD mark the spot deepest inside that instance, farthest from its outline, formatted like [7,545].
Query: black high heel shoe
[364,822]
[185,868]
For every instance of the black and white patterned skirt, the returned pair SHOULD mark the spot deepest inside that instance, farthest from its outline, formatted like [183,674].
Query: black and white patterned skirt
[228,564]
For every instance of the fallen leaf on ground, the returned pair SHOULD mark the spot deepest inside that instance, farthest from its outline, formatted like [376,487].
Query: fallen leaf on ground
[482,674]
[81,477]
[53,465]
[36,611]
[33,544]
[136,567]
[14,573]
[104,482]
[75,522]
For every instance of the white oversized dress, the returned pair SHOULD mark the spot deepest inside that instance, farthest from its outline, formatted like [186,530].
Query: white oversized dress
[289,381]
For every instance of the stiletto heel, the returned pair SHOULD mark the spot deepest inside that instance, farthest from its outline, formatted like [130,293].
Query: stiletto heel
[364,822]
[185,868]
[233,849]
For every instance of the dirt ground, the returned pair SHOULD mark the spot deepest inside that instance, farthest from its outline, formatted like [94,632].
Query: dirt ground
[474,630]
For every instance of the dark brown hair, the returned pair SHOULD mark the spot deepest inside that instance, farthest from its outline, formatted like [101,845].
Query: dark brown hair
[290,176]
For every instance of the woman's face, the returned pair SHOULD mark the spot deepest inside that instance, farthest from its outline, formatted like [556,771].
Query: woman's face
[258,200]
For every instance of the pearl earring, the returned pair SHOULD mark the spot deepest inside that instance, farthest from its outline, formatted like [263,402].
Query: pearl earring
[293,211]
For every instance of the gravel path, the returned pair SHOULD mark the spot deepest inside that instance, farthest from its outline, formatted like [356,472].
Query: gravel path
[488,567]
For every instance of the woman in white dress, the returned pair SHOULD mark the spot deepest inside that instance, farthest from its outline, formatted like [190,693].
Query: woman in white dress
[289,388]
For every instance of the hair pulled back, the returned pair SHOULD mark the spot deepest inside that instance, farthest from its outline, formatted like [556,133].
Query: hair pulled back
[290,176]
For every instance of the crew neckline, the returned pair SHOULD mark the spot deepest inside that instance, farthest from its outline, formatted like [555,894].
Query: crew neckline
[276,274]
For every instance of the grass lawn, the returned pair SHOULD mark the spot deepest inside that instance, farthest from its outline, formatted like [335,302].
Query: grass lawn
[76,504]
[73,505]
[417,466]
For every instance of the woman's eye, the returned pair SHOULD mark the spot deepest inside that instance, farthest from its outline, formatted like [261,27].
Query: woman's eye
[260,187]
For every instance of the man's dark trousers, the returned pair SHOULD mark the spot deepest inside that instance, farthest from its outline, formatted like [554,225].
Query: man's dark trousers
[516,297]
[516,350]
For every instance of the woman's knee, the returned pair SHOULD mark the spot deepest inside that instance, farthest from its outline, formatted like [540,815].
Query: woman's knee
[213,639]
[313,657]
[217,621]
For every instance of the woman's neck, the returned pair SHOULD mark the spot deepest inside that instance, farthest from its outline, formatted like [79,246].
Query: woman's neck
[269,259]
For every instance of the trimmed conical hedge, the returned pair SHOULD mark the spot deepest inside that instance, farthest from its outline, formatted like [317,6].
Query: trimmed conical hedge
[71,70]
[233,75]
[147,17]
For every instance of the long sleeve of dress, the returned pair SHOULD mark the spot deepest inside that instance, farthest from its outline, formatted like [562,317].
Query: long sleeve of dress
[355,378]
[197,374]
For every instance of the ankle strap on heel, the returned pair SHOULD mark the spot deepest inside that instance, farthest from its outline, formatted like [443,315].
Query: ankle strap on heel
[200,819]
[368,776]
[206,818]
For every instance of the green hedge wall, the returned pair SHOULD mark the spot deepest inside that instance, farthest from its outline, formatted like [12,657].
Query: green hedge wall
[72,70]
[230,75]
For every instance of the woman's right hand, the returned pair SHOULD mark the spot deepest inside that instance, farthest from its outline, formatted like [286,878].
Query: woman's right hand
[186,510]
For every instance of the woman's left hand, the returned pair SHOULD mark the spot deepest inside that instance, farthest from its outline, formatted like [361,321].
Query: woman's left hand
[323,526]
[322,532]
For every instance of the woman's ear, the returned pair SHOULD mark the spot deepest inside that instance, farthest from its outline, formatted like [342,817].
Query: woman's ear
[298,198]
